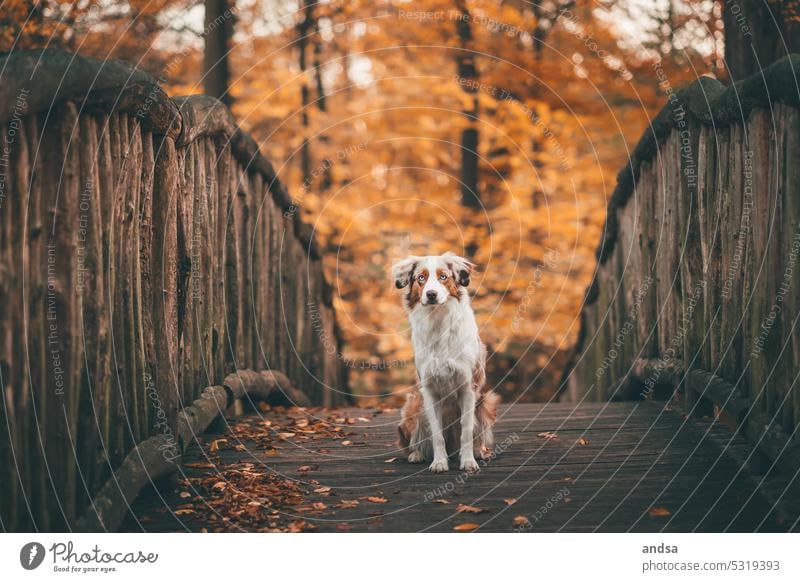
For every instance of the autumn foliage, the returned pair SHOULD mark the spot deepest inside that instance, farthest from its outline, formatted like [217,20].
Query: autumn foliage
[362,105]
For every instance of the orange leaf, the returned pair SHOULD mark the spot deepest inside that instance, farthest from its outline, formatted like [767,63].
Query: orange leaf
[659,512]
[375,499]
[510,501]
[469,526]
[520,520]
[461,508]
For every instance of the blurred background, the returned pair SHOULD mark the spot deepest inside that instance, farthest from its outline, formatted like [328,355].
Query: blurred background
[491,128]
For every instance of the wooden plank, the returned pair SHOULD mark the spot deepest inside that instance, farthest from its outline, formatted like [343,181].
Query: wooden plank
[611,482]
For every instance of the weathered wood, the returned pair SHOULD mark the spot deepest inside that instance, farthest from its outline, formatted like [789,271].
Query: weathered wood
[716,180]
[683,465]
[135,274]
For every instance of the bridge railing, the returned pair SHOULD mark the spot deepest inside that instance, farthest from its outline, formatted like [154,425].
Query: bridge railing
[698,278]
[147,250]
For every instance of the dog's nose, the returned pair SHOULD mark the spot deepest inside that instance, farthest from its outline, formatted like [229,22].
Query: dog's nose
[431,295]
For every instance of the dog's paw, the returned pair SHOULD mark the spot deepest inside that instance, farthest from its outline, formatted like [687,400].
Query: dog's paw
[470,466]
[439,466]
[415,457]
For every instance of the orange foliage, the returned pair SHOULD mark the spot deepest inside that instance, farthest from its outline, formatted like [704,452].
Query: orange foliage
[562,97]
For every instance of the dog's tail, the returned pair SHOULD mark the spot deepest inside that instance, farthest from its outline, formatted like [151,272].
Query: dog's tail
[485,416]
[409,420]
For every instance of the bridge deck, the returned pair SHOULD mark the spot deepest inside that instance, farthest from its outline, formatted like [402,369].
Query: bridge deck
[596,467]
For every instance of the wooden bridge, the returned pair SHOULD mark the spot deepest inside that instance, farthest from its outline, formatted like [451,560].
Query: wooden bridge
[557,467]
[157,281]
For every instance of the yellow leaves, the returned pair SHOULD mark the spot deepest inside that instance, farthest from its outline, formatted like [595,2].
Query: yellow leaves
[376,499]
[659,512]
[520,521]
[468,526]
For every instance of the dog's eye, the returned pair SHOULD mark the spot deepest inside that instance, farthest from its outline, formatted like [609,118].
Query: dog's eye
[421,278]
[443,277]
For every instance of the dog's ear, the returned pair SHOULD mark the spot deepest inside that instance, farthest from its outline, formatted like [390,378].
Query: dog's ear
[403,270]
[461,267]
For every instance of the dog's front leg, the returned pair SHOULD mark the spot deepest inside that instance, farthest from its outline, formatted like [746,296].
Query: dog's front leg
[433,415]
[467,452]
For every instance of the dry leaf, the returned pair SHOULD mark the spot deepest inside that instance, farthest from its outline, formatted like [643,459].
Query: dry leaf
[214,446]
[184,511]
[510,501]
[659,512]
[185,494]
[547,435]
[462,508]
[442,501]
[346,443]
[583,442]
[469,526]
[319,506]
[322,490]
[520,520]
[375,499]
[392,460]
[286,435]
[347,504]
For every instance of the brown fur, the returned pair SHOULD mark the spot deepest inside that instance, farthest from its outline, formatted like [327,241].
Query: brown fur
[450,283]
[415,288]
[409,418]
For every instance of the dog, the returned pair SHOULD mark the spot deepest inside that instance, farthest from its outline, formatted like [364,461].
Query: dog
[453,410]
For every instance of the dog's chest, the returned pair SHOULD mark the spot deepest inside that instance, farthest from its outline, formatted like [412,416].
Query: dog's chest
[445,342]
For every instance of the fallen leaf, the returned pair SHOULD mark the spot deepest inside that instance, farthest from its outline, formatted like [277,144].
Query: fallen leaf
[286,435]
[184,511]
[392,460]
[346,443]
[319,506]
[307,468]
[583,442]
[199,465]
[659,512]
[510,501]
[462,508]
[442,501]
[520,520]
[219,485]
[185,494]
[322,490]
[375,499]
[347,504]
[214,446]
[469,526]
[343,526]
[547,435]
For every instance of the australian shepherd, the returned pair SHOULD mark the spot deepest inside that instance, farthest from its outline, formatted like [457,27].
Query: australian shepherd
[453,410]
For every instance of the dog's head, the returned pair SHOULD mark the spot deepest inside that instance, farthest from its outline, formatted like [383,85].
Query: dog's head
[432,280]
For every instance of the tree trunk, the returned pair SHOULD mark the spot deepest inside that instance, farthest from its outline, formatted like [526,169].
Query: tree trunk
[303,29]
[758,33]
[218,32]
[468,76]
